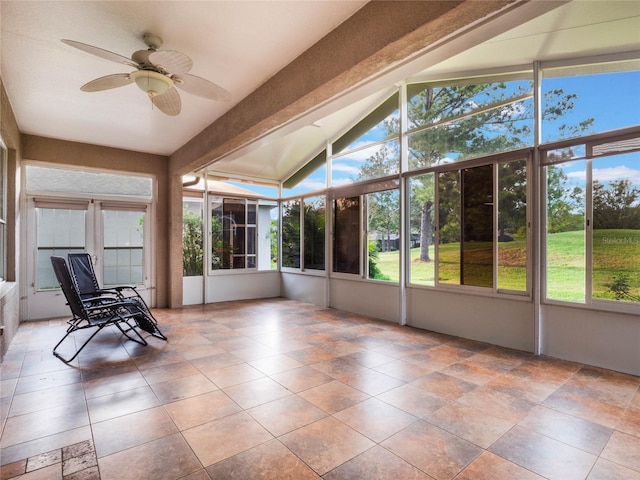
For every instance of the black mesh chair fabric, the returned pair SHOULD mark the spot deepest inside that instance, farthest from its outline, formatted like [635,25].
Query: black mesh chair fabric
[86,282]
[91,314]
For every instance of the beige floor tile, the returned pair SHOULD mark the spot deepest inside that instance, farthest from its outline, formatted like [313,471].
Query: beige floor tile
[152,460]
[45,399]
[606,470]
[121,403]
[225,437]
[181,388]
[43,423]
[286,414]
[275,364]
[624,450]
[301,378]
[574,431]
[492,467]
[475,426]
[233,375]
[44,444]
[269,461]
[256,392]
[543,455]
[326,444]
[334,396]
[376,463]
[128,431]
[433,450]
[413,400]
[194,411]
[274,388]
[375,419]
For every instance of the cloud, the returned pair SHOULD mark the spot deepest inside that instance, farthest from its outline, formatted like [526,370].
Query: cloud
[345,168]
[311,184]
[606,175]
[339,182]
[361,155]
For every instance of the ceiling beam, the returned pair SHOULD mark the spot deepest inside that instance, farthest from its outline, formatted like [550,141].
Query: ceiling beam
[379,35]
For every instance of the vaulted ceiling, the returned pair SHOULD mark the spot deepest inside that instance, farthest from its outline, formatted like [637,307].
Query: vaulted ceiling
[241,46]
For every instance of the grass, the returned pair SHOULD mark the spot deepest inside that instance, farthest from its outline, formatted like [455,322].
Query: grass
[616,253]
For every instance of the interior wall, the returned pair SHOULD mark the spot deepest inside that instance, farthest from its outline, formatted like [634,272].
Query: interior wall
[9,289]
[605,339]
[242,286]
[304,288]
[374,299]
[93,156]
[496,320]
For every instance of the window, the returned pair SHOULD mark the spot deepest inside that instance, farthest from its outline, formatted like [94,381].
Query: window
[478,243]
[103,214]
[421,229]
[79,182]
[383,235]
[372,162]
[233,233]
[448,251]
[291,234]
[370,149]
[584,90]
[60,231]
[314,227]
[346,235]
[512,226]
[593,220]
[192,239]
[311,177]
[123,262]
[463,120]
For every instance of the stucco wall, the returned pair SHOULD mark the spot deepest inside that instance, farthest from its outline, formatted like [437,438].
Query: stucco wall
[9,292]
[93,156]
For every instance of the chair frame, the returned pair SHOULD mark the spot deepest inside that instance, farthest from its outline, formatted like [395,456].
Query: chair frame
[85,281]
[98,312]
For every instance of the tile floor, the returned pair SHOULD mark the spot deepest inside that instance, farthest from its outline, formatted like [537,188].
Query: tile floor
[278,389]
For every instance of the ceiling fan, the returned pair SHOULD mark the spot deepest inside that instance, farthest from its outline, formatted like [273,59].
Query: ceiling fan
[157,73]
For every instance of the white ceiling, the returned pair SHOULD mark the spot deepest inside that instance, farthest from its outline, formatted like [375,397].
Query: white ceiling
[235,44]
[239,45]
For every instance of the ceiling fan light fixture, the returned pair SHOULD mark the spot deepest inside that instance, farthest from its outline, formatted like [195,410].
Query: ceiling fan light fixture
[152,83]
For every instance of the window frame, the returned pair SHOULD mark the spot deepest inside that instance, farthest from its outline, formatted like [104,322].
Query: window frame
[246,202]
[622,141]
[495,160]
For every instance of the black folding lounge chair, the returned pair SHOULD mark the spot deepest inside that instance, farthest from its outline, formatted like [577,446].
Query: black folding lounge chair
[94,314]
[85,281]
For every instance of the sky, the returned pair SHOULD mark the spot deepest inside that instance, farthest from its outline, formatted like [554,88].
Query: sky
[613,100]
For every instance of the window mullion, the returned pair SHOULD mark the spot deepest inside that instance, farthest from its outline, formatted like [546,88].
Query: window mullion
[588,232]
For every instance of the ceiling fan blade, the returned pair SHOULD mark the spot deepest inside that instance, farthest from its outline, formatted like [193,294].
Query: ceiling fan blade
[201,87]
[107,82]
[171,61]
[168,103]
[114,57]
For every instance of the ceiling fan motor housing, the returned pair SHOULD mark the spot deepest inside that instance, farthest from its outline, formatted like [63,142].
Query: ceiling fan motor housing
[150,82]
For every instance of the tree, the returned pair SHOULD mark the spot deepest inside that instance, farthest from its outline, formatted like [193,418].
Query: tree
[191,242]
[616,205]
[512,198]
[291,234]
[565,211]
[467,121]
[384,214]
[314,226]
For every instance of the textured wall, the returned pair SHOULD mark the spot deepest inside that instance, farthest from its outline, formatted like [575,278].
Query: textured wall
[93,156]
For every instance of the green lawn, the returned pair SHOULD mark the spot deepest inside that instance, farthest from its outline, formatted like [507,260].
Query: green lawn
[616,253]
